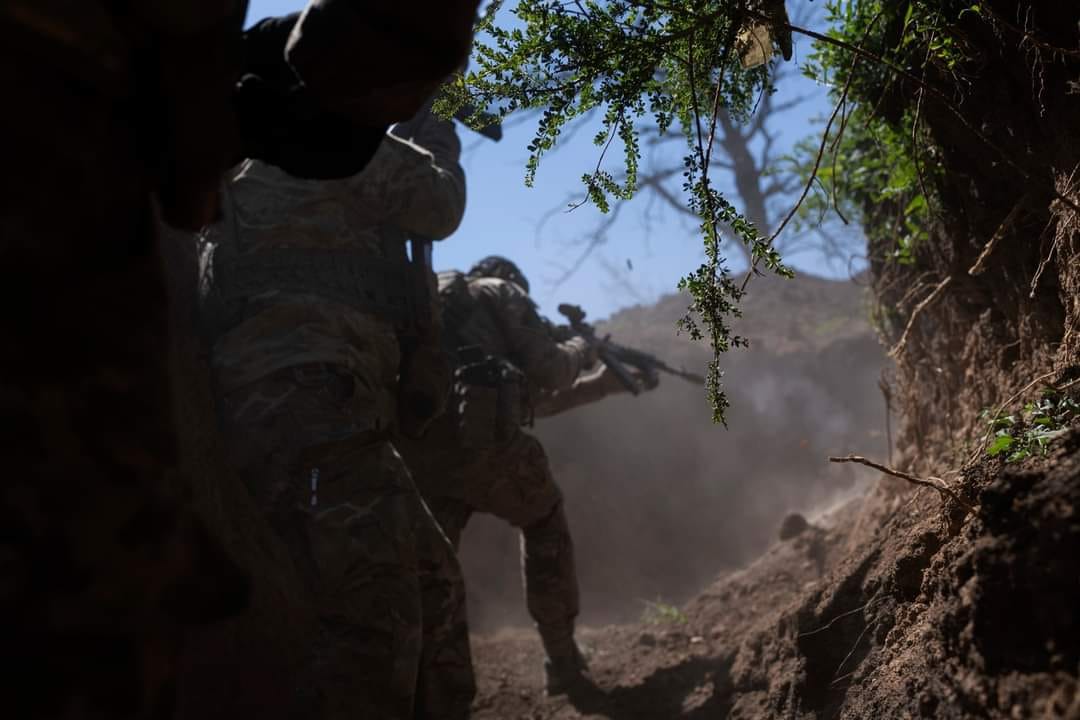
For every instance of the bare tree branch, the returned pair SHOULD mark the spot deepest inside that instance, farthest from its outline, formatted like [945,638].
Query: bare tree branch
[620,279]
[595,238]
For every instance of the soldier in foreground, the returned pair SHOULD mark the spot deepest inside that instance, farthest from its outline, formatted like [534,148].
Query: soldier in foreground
[116,113]
[317,304]
[477,458]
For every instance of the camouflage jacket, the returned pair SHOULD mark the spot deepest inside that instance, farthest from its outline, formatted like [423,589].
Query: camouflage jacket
[499,317]
[409,188]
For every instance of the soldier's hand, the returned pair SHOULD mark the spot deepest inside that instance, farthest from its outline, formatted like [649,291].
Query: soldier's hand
[282,127]
[648,379]
[591,355]
[379,62]
[609,381]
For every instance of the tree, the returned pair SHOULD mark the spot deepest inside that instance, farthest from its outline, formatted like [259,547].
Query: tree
[761,175]
[750,163]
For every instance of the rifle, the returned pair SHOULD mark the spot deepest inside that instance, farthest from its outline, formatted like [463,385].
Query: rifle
[617,357]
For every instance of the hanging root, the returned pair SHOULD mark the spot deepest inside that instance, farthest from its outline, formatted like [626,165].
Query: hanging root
[899,348]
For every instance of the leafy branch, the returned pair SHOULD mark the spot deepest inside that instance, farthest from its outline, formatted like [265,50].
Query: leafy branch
[642,66]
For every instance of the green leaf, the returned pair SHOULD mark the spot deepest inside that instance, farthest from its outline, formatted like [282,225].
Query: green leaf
[1021,454]
[1001,444]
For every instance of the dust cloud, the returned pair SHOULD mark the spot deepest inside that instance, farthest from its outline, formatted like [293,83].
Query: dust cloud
[660,500]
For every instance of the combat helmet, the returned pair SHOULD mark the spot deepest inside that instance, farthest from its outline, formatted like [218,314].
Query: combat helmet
[497,266]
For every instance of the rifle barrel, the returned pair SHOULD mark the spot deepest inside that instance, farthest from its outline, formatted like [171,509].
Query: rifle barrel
[615,365]
[643,360]
[688,376]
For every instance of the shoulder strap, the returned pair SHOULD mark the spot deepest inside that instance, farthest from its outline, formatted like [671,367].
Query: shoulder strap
[456,305]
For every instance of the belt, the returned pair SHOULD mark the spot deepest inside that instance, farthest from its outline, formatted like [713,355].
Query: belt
[365,282]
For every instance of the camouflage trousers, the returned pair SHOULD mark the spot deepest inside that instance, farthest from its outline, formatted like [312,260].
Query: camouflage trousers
[391,641]
[512,481]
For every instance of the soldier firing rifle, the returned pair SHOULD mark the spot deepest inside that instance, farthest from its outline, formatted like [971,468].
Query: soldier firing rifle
[618,357]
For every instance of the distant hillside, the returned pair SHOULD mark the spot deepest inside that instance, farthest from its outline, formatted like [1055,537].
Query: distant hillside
[780,316]
[660,500]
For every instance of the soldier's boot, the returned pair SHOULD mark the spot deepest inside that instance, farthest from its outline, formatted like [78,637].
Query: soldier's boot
[565,669]
[551,593]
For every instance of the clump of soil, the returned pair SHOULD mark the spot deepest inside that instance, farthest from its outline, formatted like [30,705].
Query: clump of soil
[793,526]
[894,605]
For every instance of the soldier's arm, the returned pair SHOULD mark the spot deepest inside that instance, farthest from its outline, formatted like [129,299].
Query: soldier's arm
[587,388]
[418,186]
[549,364]
[379,60]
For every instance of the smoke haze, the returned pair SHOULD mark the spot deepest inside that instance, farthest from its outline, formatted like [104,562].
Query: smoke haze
[660,500]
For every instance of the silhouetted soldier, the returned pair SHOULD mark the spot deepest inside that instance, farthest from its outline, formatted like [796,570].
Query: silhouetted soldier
[510,364]
[316,300]
[116,113]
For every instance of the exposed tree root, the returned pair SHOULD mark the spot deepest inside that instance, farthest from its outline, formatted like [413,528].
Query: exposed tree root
[933,483]
[899,347]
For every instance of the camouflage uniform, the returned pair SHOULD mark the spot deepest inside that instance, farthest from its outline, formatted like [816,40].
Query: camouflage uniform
[308,376]
[510,476]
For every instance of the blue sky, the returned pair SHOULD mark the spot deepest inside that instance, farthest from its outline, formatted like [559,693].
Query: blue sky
[648,250]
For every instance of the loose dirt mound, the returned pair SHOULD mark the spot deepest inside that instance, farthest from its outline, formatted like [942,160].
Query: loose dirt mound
[892,606]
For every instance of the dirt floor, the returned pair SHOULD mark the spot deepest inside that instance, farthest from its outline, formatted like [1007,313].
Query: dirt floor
[674,663]
[895,605]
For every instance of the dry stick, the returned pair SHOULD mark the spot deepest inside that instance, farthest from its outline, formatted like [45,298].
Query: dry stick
[1042,266]
[899,347]
[1066,386]
[1001,408]
[917,286]
[1003,229]
[909,478]
[843,677]
[1053,248]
